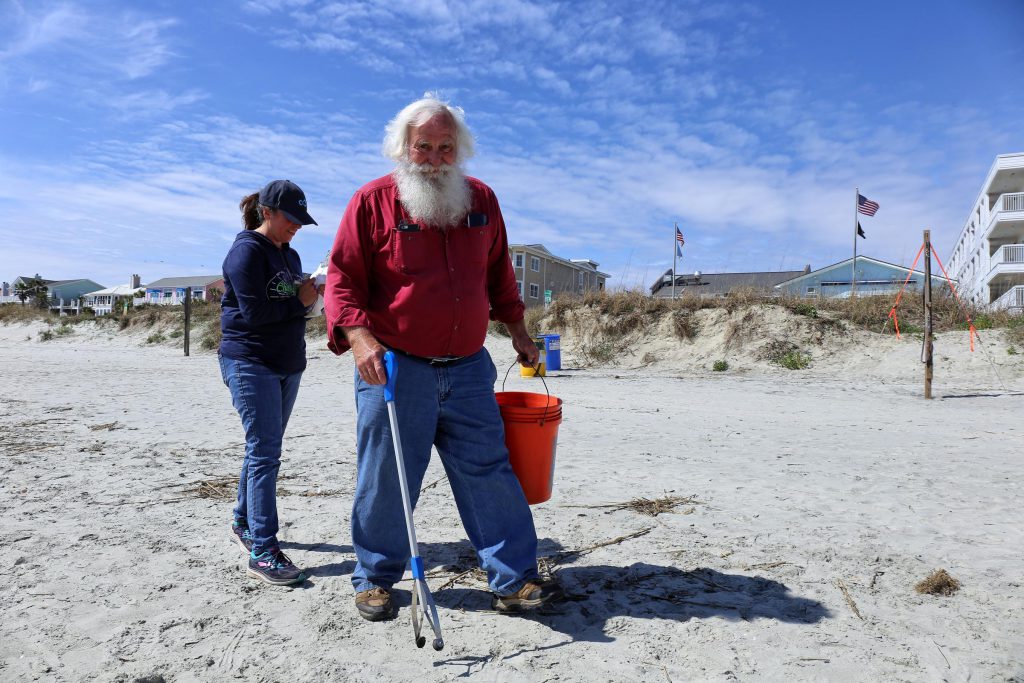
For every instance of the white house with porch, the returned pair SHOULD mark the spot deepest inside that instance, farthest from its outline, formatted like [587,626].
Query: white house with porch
[988,259]
[103,301]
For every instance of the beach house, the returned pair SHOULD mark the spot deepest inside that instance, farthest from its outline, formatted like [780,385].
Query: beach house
[103,301]
[541,275]
[717,285]
[63,296]
[170,291]
[987,261]
[873,277]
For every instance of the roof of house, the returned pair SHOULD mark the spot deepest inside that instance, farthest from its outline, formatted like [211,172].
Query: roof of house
[190,281]
[61,283]
[119,290]
[846,263]
[713,284]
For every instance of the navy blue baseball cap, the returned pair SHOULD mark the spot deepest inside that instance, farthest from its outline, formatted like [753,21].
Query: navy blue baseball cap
[286,197]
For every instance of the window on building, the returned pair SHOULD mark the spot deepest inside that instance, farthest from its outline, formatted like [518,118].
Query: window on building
[519,286]
[535,264]
[518,261]
[534,291]
[579,279]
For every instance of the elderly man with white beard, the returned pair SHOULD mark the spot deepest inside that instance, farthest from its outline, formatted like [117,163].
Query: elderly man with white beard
[419,265]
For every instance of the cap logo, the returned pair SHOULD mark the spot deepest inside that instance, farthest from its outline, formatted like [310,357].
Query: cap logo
[302,203]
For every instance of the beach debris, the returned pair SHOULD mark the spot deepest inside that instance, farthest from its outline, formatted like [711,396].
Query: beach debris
[849,599]
[226,487]
[552,560]
[109,426]
[432,485]
[652,507]
[939,582]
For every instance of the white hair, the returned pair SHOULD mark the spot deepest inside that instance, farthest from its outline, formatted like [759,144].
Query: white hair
[396,133]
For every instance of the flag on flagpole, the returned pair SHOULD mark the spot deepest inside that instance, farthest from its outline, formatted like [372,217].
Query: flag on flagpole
[679,243]
[860,231]
[866,206]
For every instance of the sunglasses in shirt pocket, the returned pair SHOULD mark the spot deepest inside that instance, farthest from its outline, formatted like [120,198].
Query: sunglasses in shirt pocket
[471,246]
[411,248]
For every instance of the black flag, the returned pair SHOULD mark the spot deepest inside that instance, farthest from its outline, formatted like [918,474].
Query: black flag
[860,231]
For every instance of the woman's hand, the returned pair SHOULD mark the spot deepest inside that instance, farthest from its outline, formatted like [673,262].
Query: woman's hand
[307,292]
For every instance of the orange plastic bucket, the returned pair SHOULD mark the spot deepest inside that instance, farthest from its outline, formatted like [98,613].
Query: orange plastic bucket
[531,436]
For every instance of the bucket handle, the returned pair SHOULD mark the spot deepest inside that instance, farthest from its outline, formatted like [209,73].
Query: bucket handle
[536,373]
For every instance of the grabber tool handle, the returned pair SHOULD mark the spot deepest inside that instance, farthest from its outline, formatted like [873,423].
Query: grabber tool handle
[391,368]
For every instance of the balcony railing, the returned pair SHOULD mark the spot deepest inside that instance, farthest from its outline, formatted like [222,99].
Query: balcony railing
[1008,253]
[1013,201]
[1012,300]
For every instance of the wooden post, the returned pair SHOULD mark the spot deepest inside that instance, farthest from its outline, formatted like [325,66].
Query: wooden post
[188,315]
[928,361]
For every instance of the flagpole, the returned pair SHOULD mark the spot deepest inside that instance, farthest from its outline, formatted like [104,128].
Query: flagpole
[853,266]
[675,251]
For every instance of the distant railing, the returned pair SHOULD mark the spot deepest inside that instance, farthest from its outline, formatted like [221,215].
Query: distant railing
[1011,202]
[1011,253]
[1012,299]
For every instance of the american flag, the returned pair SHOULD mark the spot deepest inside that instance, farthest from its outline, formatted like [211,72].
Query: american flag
[866,206]
[679,242]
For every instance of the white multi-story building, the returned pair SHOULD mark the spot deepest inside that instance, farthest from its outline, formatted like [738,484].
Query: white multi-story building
[988,259]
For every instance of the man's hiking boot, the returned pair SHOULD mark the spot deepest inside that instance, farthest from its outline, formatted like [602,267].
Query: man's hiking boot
[242,536]
[375,604]
[275,568]
[531,596]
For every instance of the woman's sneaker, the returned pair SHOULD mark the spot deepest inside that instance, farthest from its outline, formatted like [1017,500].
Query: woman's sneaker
[275,568]
[242,536]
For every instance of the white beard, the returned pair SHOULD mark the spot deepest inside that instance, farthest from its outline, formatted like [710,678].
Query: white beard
[440,197]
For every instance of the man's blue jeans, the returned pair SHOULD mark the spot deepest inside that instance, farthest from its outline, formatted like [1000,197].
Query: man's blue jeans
[264,400]
[453,408]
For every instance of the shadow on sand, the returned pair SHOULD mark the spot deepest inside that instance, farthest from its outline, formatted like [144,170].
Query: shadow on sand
[596,594]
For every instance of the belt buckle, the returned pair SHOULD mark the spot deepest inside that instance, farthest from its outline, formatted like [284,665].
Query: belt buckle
[443,360]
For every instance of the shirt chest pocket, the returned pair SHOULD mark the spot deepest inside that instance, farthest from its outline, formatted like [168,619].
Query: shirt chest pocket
[412,251]
[470,246]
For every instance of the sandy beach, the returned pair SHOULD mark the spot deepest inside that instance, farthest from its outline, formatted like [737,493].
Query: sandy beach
[807,505]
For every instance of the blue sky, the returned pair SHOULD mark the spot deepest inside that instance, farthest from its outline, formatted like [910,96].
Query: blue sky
[130,130]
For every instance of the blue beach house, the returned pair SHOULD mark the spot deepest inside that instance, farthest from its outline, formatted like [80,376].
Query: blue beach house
[873,277]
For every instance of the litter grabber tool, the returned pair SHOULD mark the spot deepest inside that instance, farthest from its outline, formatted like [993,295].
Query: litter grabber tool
[420,592]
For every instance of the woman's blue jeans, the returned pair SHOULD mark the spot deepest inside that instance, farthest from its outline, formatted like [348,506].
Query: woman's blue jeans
[264,400]
[453,408]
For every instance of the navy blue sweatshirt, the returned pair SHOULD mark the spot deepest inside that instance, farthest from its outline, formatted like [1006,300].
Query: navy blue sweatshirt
[261,316]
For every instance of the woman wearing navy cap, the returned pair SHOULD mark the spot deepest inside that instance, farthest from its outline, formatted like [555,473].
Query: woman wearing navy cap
[262,357]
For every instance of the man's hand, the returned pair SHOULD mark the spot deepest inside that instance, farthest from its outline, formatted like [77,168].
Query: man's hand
[368,354]
[529,355]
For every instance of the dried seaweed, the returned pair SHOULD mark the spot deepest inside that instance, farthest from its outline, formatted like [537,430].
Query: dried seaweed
[849,598]
[652,507]
[939,582]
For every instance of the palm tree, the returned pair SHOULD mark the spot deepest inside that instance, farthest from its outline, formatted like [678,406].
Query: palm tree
[22,292]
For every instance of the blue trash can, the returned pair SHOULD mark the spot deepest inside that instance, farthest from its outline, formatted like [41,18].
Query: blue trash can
[553,351]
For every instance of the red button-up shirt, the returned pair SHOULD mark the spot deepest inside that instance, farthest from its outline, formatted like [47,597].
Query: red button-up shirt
[426,291]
